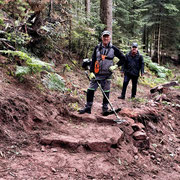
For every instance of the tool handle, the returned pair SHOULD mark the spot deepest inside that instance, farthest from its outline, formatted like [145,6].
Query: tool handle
[87,75]
[107,100]
[103,94]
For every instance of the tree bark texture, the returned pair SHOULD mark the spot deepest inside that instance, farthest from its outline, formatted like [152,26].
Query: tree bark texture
[106,14]
[144,38]
[88,7]
[50,8]
[155,49]
[159,38]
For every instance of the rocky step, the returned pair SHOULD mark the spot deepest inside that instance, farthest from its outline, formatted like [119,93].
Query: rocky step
[111,119]
[99,139]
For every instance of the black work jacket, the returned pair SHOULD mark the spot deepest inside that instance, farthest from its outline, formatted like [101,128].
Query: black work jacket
[133,64]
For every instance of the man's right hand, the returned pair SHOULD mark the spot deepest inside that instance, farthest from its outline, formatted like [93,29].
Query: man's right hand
[92,76]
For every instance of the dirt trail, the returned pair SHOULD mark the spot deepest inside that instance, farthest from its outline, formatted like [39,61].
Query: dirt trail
[42,138]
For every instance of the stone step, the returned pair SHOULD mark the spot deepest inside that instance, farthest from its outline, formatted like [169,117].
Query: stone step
[98,139]
[95,118]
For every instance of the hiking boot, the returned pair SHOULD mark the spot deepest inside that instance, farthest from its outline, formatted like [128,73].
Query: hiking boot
[121,97]
[105,111]
[85,110]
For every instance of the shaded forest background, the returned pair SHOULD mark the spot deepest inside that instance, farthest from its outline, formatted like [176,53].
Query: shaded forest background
[42,86]
[38,35]
[44,25]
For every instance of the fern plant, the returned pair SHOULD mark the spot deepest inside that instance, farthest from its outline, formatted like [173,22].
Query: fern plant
[54,81]
[160,71]
[33,65]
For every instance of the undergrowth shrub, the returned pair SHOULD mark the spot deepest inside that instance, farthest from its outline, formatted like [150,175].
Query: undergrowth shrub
[119,82]
[151,81]
[160,71]
[54,81]
[32,64]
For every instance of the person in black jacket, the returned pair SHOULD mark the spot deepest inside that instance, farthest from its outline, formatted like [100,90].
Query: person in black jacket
[134,64]
[101,70]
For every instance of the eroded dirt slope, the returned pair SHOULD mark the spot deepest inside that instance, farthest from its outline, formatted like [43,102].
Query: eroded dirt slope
[42,137]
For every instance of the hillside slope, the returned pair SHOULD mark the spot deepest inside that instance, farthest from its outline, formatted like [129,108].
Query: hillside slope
[43,137]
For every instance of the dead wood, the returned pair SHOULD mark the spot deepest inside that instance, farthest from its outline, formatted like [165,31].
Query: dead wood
[161,87]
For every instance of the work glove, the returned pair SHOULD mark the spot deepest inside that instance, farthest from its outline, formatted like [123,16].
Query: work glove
[92,76]
[112,68]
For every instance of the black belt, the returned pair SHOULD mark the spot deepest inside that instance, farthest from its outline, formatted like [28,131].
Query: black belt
[109,58]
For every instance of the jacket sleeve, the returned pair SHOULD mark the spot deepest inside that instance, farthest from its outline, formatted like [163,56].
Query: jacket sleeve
[124,66]
[119,55]
[142,64]
[93,60]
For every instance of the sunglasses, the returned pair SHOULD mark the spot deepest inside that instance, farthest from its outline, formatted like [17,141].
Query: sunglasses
[134,47]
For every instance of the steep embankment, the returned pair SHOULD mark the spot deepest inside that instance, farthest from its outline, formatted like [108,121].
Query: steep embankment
[43,138]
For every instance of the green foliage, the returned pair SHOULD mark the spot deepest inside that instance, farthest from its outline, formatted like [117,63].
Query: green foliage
[83,39]
[22,70]
[177,87]
[21,55]
[163,15]
[74,106]
[119,82]
[17,9]
[1,21]
[33,65]
[151,81]
[171,8]
[127,23]
[18,38]
[1,2]
[67,67]
[13,21]
[138,100]
[85,30]
[160,71]
[54,81]
[178,78]
[52,35]
[37,65]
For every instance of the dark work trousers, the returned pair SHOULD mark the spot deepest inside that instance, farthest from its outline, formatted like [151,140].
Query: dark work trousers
[127,78]
[105,101]
[105,84]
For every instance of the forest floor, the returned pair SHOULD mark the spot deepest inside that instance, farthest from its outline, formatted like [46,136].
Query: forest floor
[43,137]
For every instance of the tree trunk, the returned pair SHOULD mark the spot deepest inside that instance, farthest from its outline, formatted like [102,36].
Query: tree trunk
[70,27]
[156,35]
[159,38]
[50,8]
[88,7]
[133,19]
[144,38]
[147,41]
[106,14]
[150,53]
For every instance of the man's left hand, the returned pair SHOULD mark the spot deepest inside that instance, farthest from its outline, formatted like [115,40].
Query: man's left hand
[112,68]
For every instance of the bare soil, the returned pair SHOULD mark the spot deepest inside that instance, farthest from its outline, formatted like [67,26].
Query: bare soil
[43,137]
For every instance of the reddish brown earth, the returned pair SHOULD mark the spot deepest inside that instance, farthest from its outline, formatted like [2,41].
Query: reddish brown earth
[43,137]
